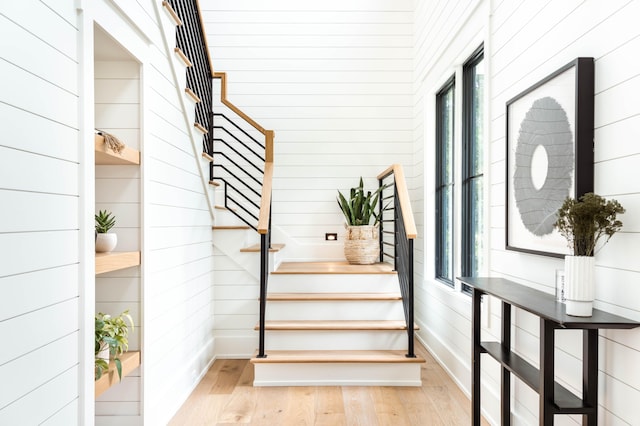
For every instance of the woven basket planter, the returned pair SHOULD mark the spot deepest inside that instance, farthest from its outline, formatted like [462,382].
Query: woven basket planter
[362,246]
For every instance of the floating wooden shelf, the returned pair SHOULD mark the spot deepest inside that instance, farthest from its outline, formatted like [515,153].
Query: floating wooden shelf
[107,262]
[130,361]
[105,156]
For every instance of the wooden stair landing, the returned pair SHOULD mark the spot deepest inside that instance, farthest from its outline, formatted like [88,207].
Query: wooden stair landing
[333,268]
[377,356]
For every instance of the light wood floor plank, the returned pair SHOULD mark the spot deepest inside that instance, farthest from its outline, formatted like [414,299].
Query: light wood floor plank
[301,405]
[388,407]
[228,376]
[226,396]
[329,407]
[271,406]
[359,409]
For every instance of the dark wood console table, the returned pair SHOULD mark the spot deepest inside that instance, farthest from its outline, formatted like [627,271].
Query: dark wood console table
[554,398]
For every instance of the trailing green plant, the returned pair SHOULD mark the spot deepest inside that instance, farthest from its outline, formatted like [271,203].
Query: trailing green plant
[111,332]
[104,221]
[360,207]
[584,222]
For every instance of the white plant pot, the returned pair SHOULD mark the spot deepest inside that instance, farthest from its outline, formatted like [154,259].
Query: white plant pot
[106,242]
[579,285]
[104,354]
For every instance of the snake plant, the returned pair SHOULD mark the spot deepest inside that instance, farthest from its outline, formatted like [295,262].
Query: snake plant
[360,207]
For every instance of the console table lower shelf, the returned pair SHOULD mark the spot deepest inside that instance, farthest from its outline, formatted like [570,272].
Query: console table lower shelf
[554,398]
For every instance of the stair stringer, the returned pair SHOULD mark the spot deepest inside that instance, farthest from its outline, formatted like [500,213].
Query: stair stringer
[187,108]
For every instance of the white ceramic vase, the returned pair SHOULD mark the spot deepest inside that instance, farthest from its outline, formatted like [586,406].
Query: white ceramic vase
[104,353]
[106,242]
[579,285]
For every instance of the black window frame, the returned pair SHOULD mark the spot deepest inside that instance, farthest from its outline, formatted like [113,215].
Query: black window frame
[469,172]
[441,157]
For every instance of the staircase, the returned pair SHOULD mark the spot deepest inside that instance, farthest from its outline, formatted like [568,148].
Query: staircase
[322,323]
[335,324]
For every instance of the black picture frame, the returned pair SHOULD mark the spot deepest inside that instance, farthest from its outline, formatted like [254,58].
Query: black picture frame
[549,156]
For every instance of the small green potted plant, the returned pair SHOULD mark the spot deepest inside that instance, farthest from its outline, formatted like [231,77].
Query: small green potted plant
[362,245]
[584,223]
[111,341]
[105,241]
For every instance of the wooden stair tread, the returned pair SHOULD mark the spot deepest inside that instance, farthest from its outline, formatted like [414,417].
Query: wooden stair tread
[373,356]
[332,296]
[336,325]
[333,268]
[230,227]
[256,248]
[217,207]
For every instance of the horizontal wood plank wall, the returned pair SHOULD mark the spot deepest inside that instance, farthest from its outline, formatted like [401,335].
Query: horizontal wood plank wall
[236,294]
[526,41]
[333,80]
[118,189]
[178,290]
[39,222]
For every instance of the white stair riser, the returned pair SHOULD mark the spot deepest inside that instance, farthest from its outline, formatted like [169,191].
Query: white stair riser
[333,283]
[335,310]
[230,241]
[335,340]
[224,217]
[337,374]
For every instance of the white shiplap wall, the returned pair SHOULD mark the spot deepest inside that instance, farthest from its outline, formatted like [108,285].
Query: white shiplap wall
[333,80]
[524,42]
[161,209]
[38,214]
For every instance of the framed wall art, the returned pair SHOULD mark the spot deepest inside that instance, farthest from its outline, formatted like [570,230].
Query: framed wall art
[549,157]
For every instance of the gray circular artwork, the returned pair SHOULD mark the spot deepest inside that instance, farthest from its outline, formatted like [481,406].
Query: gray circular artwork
[539,193]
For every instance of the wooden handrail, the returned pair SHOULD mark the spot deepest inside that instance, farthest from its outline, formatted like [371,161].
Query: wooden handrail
[265,199]
[204,37]
[223,98]
[403,196]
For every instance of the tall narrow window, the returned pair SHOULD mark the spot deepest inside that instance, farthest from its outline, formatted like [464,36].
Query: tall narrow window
[472,165]
[444,182]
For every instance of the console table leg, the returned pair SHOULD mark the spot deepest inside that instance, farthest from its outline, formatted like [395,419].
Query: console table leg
[547,368]
[475,379]
[505,385]
[590,375]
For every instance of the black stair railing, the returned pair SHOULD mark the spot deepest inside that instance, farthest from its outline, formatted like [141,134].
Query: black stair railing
[397,233]
[241,150]
[191,40]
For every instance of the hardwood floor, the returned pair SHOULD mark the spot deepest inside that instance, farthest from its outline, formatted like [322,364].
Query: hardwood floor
[226,397]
